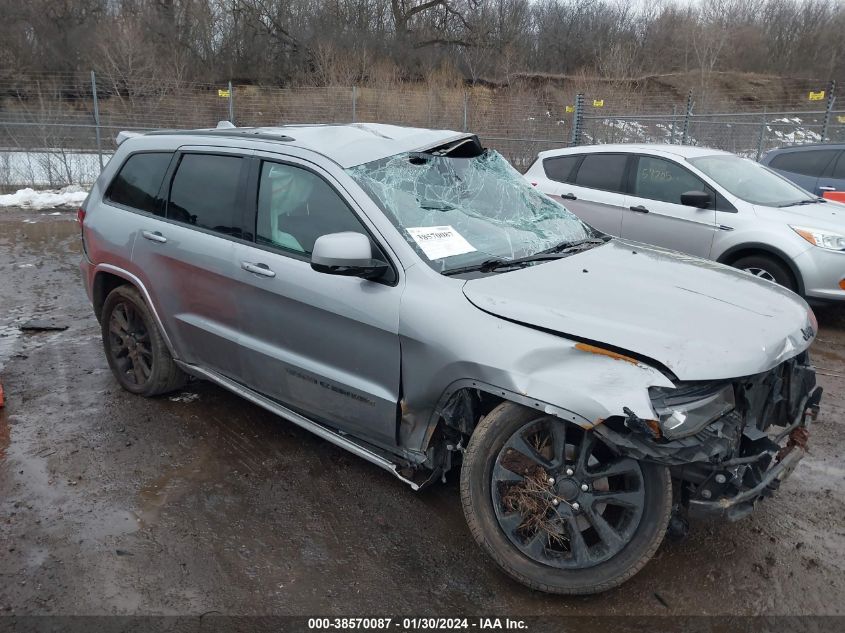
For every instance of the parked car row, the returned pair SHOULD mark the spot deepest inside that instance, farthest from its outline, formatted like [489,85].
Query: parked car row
[407,295]
[706,203]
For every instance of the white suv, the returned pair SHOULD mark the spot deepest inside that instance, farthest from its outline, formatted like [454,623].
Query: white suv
[706,203]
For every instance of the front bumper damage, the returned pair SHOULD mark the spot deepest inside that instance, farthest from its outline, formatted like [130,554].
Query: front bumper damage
[741,458]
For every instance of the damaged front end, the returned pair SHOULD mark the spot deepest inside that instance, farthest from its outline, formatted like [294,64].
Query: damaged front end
[729,443]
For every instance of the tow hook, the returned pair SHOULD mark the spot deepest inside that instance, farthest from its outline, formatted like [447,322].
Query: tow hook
[798,437]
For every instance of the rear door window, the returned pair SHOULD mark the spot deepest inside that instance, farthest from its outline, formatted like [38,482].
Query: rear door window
[806,163]
[204,193]
[602,171]
[839,169]
[561,168]
[138,182]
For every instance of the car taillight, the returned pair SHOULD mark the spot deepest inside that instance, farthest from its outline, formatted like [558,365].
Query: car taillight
[80,216]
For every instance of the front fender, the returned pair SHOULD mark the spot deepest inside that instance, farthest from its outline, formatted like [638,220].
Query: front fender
[468,349]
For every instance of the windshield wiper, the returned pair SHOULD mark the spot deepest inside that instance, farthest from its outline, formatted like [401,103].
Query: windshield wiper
[802,202]
[558,251]
[490,265]
[578,245]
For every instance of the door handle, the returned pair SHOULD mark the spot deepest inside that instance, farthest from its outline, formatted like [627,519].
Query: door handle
[258,269]
[569,196]
[154,236]
[639,209]
[825,188]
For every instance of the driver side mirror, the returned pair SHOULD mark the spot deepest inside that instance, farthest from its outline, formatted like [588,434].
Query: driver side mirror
[697,199]
[349,254]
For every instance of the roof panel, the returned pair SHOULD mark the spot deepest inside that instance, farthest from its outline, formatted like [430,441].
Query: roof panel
[349,145]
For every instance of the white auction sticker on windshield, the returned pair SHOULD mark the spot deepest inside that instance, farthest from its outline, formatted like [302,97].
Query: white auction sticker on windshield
[438,242]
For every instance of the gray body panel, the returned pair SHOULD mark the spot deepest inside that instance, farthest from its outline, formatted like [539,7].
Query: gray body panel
[378,361]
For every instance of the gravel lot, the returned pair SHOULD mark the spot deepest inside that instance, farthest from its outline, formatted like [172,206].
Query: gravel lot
[116,504]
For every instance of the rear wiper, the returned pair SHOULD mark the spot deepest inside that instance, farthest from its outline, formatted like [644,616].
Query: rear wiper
[490,265]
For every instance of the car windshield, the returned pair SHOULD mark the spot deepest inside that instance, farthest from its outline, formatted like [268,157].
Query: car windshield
[751,181]
[458,212]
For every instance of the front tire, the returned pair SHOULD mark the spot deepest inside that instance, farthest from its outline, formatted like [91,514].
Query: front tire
[767,268]
[135,349]
[555,508]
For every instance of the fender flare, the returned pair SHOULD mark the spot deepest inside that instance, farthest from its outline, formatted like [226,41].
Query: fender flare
[139,285]
[768,248]
[499,392]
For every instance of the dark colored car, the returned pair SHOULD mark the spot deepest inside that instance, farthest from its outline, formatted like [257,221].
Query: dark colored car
[819,169]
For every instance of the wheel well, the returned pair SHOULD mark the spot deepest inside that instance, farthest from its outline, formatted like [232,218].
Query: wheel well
[104,283]
[731,257]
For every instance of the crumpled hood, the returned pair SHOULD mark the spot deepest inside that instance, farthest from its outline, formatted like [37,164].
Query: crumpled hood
[701,320]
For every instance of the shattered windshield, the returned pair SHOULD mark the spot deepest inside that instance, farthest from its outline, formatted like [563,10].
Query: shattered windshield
[457,212]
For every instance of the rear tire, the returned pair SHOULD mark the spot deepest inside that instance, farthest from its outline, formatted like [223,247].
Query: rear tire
[556,566]
[767,268]
[135,349]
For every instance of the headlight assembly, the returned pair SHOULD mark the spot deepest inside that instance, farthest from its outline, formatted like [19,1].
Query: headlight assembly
[688,409]
[821,238]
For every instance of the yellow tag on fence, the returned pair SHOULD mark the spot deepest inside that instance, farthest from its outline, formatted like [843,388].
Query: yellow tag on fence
[570,108]
[841,118]
[817,96]
[222,93]
[598,103]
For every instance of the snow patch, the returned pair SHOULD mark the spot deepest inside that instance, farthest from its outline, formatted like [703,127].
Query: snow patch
[70,196]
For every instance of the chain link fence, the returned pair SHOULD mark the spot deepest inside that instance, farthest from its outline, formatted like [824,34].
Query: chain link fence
[60,129]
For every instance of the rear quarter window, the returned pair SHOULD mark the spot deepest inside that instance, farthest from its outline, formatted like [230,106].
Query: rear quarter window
[138,182]
[806,163]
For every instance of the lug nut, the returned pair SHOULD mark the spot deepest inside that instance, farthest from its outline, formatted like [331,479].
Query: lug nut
[584,487]
[706,494]
[576,506]
[570,472]
[720,478]
[551,480]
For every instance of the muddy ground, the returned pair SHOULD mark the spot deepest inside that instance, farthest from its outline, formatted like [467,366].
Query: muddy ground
[115,504]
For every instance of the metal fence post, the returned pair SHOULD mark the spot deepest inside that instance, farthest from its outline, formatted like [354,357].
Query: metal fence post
[97,118]
[687,118]
[465,111]
[831,99]
[762,138]
[672,129]
[578,119]
[354,104]
[231,104]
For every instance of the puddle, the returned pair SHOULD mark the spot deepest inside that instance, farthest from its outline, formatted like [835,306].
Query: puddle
[175,484]
[9,336]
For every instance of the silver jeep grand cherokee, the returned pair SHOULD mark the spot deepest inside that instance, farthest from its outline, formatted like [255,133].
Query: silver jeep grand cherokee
[407,295]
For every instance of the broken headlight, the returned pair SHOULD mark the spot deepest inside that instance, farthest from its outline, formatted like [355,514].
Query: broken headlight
[686,410]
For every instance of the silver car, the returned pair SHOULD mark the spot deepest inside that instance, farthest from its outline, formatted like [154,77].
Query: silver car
[407,295]
[706,203]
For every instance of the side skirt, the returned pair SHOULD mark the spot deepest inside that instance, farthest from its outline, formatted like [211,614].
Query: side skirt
[319,430]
